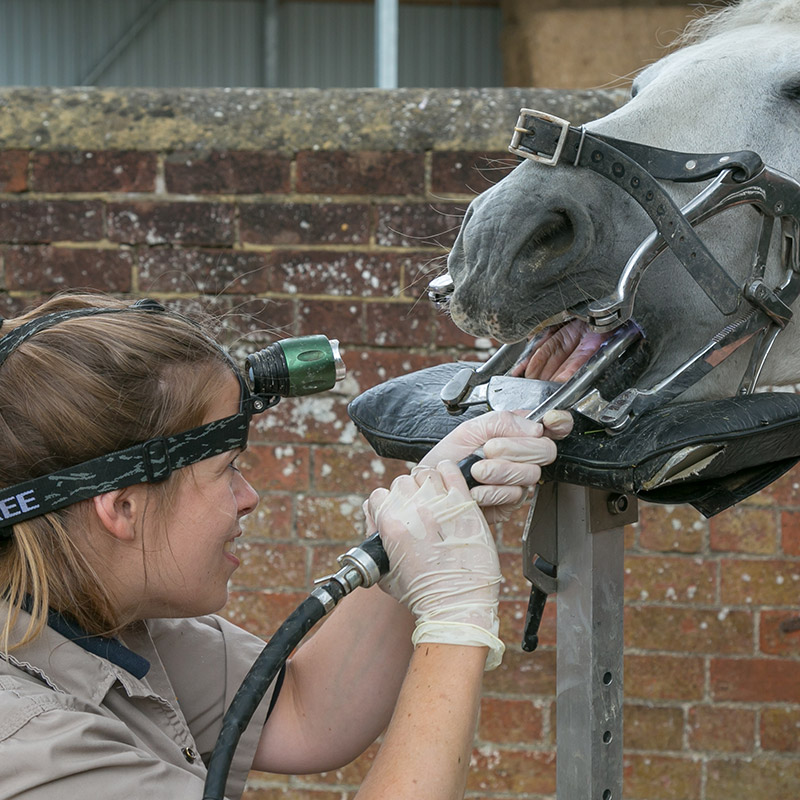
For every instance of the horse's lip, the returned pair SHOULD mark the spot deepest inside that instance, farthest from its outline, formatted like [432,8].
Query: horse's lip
[567,345]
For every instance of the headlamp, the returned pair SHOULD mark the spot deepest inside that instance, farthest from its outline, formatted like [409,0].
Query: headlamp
[289,368]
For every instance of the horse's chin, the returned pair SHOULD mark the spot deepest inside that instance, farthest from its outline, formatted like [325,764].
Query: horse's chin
[564,349]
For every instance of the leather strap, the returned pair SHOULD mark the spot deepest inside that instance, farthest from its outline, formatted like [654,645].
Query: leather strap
[636,168]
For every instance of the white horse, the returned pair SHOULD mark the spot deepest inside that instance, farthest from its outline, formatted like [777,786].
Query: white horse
[547,240]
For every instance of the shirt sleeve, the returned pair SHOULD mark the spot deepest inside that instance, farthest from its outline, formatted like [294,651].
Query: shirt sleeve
[55,752]
[206,660]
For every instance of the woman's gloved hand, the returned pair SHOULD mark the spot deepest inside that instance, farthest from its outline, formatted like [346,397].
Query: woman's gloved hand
[443,562]
[515,448]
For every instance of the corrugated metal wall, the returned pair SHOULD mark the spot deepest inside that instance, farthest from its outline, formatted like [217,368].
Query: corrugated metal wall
[223,43]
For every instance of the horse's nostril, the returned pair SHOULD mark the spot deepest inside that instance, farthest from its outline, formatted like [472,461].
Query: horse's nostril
[554,234]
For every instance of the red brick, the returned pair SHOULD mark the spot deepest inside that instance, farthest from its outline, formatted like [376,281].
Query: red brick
[510,721]
[14,171]
[779,633]
[664,777]
[330,518]
[631,535]
[261,613]
[514,771]
[341,319]
[719,729]
[745,529]
[658,579]
[169,223]
[370,367]
[305,223]
[790,532]
[317,419]
[746,779]
[760,582]
[446,334]
[786,490]
[49,269]
[323,556]
[684,630]
[340,470]
[678,529]
[205,271]
[278,468]
[523,673]
[755,680]
[780,729]
[652,728]
[399,324]
[230,172]
[342,172]
[419,224]
[512,615]
[341,274]
[468,172]
[272,566]
[50,220]
[100,171]
[664,677]
[273,519]
[258,322]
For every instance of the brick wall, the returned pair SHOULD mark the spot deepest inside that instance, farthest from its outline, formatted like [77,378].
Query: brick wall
[305,212]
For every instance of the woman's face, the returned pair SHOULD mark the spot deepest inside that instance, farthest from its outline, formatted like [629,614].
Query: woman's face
[188,549]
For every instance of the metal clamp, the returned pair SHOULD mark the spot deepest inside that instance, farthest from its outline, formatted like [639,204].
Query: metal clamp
[520,130]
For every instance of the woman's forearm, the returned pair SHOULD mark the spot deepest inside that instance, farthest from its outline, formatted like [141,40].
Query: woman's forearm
[426,751]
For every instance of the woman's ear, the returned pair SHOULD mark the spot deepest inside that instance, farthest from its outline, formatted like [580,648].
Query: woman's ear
[118,512]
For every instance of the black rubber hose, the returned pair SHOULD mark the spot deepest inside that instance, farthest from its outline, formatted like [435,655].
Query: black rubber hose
[254,687]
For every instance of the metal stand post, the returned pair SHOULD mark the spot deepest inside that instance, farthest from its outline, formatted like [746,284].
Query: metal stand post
[579,531]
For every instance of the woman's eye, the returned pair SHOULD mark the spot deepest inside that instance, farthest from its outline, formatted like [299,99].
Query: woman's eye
[234,466]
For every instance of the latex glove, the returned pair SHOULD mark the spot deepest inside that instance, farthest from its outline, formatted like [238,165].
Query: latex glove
[443,562]
[515,448]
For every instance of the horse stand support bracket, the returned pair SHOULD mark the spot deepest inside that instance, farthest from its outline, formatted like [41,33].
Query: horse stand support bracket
[579,531]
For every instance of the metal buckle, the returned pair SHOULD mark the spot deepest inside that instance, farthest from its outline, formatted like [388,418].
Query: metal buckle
[155,457]
[520,131]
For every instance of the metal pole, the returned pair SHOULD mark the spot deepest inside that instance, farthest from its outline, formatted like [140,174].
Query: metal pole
[578,532]
[386,38]
[589,682]
[270,44]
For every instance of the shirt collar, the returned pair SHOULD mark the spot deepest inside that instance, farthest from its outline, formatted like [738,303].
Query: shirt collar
[110,649]
[63,664]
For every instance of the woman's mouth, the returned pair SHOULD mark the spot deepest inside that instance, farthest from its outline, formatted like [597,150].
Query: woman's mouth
[562,350]
[230,547]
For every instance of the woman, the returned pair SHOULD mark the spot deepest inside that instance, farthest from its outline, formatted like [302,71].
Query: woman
[120,426]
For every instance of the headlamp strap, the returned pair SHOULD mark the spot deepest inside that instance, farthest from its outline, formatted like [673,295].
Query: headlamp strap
[15,338]
[150,462]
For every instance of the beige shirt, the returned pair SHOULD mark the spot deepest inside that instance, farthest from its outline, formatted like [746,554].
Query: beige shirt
[75,725]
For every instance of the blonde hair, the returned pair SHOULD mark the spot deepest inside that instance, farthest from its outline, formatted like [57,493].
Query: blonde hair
[83,388]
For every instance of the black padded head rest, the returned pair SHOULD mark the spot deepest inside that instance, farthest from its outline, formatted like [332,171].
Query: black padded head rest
[709,454]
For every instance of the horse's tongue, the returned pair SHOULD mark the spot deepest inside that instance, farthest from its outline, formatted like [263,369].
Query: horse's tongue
[562,353]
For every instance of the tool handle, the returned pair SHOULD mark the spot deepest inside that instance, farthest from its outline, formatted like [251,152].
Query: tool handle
[536,604]
[465,465]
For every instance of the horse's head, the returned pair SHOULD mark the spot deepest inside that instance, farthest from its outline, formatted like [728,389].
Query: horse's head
[547,239]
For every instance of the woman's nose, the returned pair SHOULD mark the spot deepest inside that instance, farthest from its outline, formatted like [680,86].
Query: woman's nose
[246,496]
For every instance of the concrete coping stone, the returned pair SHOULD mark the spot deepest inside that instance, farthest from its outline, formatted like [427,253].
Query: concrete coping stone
[283,120]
